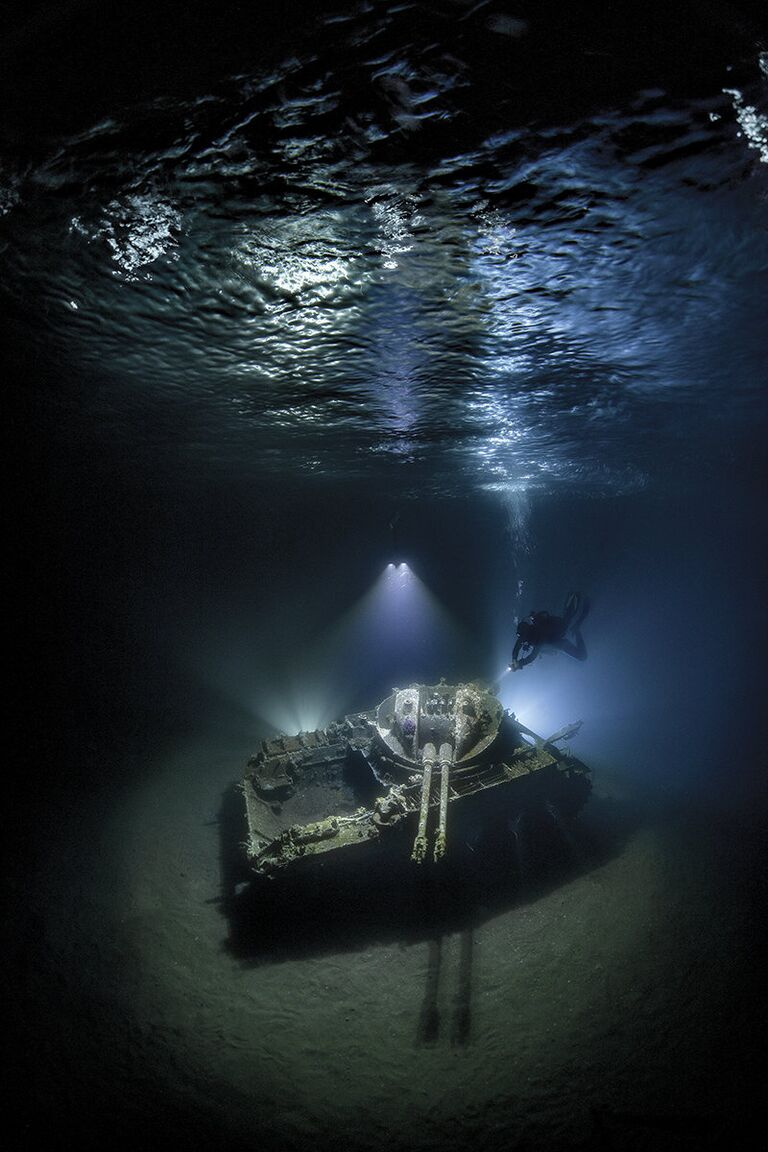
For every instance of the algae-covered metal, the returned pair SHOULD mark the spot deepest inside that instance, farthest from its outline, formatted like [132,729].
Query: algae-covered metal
[400,776]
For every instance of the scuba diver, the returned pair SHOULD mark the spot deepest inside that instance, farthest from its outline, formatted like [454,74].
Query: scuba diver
[541,628]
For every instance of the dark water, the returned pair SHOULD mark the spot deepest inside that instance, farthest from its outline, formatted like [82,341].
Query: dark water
[290,295]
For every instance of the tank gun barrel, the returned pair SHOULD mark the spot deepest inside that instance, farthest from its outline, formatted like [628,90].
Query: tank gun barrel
[336,791]
[420,843]
[446,760]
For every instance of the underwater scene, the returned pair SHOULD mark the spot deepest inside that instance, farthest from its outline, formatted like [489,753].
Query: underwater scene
[387,409]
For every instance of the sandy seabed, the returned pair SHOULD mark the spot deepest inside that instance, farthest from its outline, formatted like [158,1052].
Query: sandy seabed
[613,1008]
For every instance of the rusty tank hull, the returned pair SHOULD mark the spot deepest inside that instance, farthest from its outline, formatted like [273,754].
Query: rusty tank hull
[405,778]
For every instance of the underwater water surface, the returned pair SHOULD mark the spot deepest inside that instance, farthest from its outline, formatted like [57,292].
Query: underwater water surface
[290,297]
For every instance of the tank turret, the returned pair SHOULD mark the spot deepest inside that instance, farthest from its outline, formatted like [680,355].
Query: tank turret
[397,776]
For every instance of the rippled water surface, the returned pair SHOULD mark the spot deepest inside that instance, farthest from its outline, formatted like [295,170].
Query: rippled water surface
[398,241]
[290,294]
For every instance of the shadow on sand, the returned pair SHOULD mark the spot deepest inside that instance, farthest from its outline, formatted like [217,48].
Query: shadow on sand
[328,909]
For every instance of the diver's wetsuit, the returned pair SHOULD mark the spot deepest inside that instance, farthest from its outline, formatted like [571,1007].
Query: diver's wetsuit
[542,628]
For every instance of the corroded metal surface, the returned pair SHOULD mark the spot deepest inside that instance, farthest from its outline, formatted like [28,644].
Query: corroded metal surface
[411,761]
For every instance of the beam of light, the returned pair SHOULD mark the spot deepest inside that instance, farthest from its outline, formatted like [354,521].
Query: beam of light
[396,632]
[397,363]
[280,682]
[302,704]
[546,694]
[537,712]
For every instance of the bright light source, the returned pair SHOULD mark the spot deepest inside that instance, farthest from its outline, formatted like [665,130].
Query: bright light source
[397,629]
[301,703]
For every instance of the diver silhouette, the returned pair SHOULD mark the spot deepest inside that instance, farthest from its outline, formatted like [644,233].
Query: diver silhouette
[542,629]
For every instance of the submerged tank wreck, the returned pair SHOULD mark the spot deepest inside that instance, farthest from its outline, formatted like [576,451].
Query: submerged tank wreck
[403,778]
